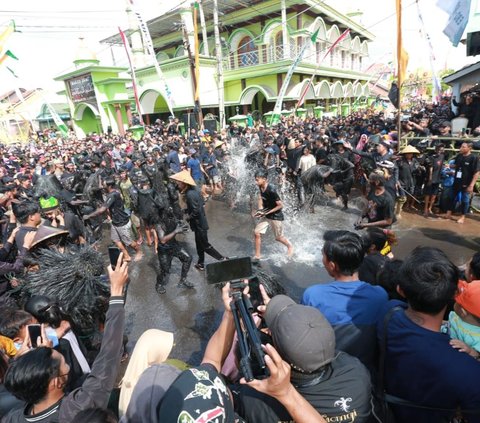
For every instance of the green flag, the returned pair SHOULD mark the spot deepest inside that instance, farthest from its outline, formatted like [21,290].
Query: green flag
[58,121]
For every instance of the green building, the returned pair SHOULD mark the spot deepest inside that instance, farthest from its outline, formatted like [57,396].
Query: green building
[259,40]
[97,95]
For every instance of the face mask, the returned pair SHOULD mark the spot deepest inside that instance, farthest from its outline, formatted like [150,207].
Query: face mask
[52,336]
[17,345]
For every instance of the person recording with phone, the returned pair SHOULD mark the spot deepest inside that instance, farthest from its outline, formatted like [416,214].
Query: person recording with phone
[184,400]
[40,375]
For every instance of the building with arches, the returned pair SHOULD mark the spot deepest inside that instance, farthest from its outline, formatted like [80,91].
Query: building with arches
[259,44]
[97,95]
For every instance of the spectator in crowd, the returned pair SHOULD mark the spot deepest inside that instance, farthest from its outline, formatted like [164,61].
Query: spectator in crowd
[445,380]
[39,376]
[350,305]
[467,172]
[336,384]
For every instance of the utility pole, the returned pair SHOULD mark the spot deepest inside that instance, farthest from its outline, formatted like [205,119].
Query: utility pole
[204,29]
[191,60]
[218,53]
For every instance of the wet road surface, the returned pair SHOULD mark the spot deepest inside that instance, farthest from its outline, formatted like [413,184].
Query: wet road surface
[193,314]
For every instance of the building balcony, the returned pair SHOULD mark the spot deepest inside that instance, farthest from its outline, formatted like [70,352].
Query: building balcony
[266,55]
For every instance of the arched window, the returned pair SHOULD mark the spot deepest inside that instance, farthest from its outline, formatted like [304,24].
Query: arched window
[279,46]
[247,52]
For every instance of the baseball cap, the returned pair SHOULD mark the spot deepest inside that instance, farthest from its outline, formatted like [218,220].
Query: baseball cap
[469,297]
[301,334]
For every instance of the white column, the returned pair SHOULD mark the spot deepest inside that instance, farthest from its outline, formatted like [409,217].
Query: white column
[187,21]
[218,51]
[138,52]
[286,44]
[204,30]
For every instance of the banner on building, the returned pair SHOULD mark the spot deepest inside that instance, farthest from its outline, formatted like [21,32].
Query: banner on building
[457,21]
[81,88]
[147,39]
[448,6]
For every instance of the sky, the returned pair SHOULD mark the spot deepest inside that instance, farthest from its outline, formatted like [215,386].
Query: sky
[48,40]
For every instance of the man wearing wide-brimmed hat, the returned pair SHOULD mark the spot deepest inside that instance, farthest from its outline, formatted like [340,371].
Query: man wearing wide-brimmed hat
[196,217]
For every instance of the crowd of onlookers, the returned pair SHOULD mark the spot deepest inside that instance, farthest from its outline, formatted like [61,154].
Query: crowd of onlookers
[385,337]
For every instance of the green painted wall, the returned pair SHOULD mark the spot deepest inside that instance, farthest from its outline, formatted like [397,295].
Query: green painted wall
[160,105]
[98,76]
[233,89]
[88,123]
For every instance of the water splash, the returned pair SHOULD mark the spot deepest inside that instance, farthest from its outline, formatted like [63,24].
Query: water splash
[303,229]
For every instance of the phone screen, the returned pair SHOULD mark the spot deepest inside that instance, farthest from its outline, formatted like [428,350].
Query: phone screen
[229,270]
[113,254]
[34,332]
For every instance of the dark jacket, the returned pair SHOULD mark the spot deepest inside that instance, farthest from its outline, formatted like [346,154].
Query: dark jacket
[96,389]
[198,219]
[8,402]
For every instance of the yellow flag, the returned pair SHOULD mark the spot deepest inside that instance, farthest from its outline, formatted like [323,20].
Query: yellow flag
[6,33]
[197,52]
[402,55]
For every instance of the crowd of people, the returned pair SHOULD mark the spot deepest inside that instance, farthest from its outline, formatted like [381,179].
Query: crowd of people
[386,338]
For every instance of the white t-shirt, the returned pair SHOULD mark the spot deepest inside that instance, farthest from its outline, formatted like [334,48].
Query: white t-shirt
[306,162]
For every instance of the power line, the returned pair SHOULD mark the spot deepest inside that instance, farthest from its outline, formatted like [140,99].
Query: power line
[49,12]
[61,26]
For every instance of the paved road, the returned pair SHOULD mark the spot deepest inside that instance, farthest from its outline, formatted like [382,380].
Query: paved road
[193,314]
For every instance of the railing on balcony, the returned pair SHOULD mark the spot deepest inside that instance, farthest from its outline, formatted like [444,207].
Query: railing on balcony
[276,53]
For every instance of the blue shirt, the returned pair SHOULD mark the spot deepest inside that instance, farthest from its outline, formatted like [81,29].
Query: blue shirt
[194,165]
[353,309]
[421,366]
[347,302]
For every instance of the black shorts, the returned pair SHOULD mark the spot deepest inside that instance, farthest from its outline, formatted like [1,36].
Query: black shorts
[432,189]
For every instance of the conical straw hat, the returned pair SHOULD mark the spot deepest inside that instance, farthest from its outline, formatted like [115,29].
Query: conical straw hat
[409,149]
[185,177]
[218,143]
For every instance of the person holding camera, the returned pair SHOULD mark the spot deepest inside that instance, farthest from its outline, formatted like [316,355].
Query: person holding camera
[201,393]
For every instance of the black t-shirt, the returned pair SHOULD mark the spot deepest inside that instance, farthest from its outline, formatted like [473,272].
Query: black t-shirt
[115,205]
[436,163]
[465,169]
[341,394]
[380,207]
[321,154]
[293,156]
[371,264]
[135,174]
[269,200]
